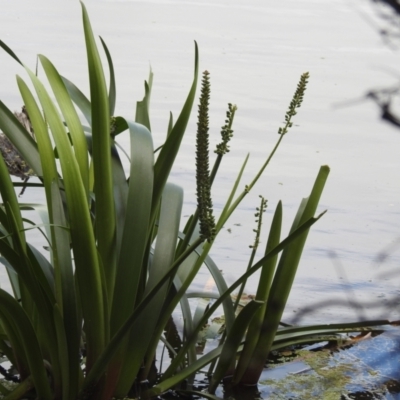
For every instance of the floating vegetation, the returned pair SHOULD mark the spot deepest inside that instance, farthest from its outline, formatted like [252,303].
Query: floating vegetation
[368,368]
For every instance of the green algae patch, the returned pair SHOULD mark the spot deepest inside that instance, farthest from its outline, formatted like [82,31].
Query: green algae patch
[369,367]
[323,379]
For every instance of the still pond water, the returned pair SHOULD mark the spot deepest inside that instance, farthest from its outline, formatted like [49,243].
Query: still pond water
[255,51]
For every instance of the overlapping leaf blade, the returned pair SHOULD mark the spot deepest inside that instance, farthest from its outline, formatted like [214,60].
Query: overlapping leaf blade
[282,283]
[105,228]
[168,227]
[170,149]
[83,241]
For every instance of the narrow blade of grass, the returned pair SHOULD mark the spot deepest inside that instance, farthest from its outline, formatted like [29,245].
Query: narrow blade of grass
[12,312]
[170,149]
[71,119]
[83,241]
[168,227]
[105,212]
[142,107]
[112,91]
[263,291]
[282,284]
[227,358]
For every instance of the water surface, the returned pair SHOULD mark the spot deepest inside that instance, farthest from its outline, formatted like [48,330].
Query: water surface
[255,52]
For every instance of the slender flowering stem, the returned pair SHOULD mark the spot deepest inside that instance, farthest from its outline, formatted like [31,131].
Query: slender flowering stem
[259,215]
[294,104]
[226,135]
[207,221]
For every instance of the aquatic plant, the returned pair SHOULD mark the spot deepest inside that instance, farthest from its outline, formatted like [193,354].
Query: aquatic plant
[85,320]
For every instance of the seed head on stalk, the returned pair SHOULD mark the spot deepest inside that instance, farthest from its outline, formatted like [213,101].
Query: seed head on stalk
[226,131]
[259,215]
[206,218]
[295,103]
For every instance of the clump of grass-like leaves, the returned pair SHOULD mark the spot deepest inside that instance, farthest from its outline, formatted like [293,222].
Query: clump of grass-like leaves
[86,320]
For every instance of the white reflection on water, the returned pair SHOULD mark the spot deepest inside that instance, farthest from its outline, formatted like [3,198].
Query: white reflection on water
[255,51]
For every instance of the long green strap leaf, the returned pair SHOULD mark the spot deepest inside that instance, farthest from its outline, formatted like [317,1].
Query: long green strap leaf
[101,154]
[142,107]
[33,279]
[83,241]
[263,291]
[180,376]
[282,283]
[81,101]
[134,238]
[61,254]
[230,347]
[136,227]
[112,91]
[168,227]
[71,119]
[170,149]
[12,312]
[10,52]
